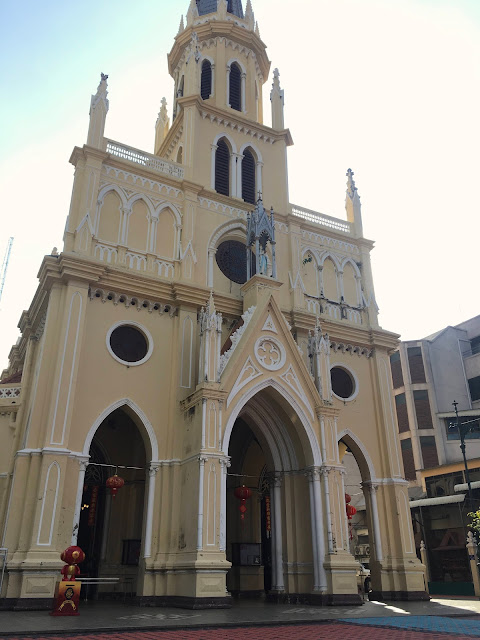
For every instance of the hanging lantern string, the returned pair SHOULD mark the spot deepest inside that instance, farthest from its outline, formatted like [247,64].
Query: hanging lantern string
[116,466]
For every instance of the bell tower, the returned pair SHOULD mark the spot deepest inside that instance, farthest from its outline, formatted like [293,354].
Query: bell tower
[219,65]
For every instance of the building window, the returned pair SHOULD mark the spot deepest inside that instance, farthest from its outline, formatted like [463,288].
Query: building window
[343,383]
[474,386]
[206,80]
[222,168]
[396,367]
[473,422]
[415,363]
[129,343]
[408,461]
[429,452]
[231,257]
[422,410]
[475,345]
[248,177]
[402,414]
[235,87]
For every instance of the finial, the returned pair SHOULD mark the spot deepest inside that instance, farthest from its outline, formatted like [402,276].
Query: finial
[249,17]
[257,30]
[181,26]
[351,188]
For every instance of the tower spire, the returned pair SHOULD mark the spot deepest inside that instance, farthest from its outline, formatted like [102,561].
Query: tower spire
[277,100]
[352,204]
[98,114]
[162,125]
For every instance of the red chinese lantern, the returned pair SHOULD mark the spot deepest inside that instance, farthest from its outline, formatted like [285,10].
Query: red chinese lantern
[242,493]
[114,483]
[351,511]
[347,498]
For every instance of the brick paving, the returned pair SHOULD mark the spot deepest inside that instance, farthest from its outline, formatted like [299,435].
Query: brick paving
[325,631]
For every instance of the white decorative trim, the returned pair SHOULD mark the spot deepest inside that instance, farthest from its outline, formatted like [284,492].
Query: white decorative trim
[269,325]
[270,353]
[351,372]
[72,368]
[57,467]
[8,393]
[142,329]
[290,378]
[234,338]
[153,185]
[364,452]
[140,414]
[288,396]
[252,372]
[129,301]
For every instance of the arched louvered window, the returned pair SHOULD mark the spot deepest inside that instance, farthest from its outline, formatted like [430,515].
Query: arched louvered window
[222,168]
[235,89]
[206,80]
[248,177]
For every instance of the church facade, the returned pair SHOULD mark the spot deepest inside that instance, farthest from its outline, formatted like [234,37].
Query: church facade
[214,346]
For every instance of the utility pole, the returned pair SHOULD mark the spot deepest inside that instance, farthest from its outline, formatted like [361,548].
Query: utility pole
[3,272]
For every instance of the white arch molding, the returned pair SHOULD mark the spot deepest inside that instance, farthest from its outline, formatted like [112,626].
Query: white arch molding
[153,467]
[227,227]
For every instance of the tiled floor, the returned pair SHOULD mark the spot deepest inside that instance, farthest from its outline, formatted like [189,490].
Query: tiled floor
[373,629]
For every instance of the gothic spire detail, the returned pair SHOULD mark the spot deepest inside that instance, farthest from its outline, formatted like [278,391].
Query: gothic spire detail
[210,322]
[277,99]
[162,125]
[98,114]
[181,26]
[249,16]
[318,349]
[352,204]
[260,231]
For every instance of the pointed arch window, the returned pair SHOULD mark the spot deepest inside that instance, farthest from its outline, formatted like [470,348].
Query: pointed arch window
[235,87]
[206,80]
[222,168]
[248,177]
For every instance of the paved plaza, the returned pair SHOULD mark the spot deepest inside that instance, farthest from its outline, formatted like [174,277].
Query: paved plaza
[455,619]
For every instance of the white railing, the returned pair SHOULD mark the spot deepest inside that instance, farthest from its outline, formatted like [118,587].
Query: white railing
[9,392]
[145,159]
[320,218]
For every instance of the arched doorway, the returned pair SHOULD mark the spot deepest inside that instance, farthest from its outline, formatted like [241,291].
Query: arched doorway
[364,532]
[271,547]
[111,529]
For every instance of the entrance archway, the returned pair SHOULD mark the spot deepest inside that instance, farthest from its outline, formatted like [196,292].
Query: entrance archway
[111,530]
[271,548]
[364,528]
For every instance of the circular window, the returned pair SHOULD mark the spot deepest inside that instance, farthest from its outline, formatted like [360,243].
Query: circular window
[129,343]
[231,258]
[343,383]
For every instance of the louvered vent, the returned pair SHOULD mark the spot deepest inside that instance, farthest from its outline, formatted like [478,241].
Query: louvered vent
[235,87]
[222,173]
[248,177]
[206,81]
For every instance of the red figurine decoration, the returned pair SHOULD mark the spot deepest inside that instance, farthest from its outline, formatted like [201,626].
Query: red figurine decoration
[114,483]
[68,590]
[72,556]
[242,493]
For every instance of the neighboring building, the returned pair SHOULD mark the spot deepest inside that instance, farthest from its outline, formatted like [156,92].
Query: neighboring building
[129,363]
[428,376]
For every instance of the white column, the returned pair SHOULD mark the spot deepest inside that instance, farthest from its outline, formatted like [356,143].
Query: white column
[358,284]
[320,537]
[201,460]
[233,174]
[372,490]
[244,76]
[240,157]
[126,211]
[277,514]
[259,185]
[341,289]
[314,532]
[212,166]
[153,235]
[204,413]
[343,511]
[212,90]
[152,472]
[227,99]
[83,463]
[326,493]
[211,255]
[224,463]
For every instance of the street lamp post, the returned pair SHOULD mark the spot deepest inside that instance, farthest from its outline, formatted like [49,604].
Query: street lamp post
[462,432]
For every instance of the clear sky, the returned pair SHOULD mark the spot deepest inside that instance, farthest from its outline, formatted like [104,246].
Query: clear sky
[390,88]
